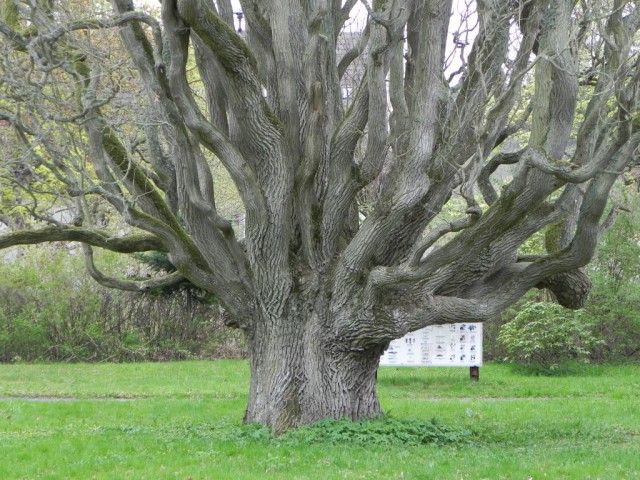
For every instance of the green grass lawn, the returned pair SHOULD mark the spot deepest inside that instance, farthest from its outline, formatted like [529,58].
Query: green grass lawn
[183,421]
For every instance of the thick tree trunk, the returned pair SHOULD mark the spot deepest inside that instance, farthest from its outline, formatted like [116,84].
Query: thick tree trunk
[300,374]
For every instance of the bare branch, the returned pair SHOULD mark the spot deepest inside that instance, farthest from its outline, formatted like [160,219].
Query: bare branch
[606,225]
[410,270]
[19,42]
[125,244]
[434,235]
[484,179]
[353,53]
[116,21]
[142,286]
[572,173]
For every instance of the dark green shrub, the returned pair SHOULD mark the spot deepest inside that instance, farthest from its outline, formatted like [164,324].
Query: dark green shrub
[614,304]
[547,336]
[384,430]
[616,318]
[22,338]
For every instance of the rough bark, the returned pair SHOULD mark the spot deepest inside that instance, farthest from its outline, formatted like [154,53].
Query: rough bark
[302,373]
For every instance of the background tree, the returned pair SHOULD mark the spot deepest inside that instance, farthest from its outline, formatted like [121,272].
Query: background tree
[318,284]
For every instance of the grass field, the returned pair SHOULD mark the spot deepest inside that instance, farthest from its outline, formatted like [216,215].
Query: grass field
[183,421]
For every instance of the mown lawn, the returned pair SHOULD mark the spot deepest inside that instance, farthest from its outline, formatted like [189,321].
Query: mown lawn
[183,421]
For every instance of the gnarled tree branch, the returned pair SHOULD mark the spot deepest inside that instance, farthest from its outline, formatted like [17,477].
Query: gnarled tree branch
[124,244]
[133,286]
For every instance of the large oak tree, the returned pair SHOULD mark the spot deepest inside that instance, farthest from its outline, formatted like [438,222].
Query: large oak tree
[351,237]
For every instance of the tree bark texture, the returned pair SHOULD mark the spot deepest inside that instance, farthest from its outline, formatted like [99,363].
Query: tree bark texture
[366,173]
[300,373]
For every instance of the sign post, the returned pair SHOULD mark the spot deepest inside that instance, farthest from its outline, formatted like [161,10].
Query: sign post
[454,345]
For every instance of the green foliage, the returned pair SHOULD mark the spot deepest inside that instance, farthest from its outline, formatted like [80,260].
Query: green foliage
[51,310]
[22,338]
[618,257]
[158,261]
[384,430]
[534,245]
[615,301]
[617,322]
[492,349]
[547,335]
[9,13]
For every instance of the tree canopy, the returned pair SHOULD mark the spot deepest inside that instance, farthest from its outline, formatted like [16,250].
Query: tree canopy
[365,162]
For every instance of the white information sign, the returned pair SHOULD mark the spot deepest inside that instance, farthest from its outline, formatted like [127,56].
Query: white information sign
[454,345]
